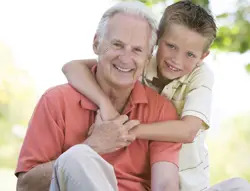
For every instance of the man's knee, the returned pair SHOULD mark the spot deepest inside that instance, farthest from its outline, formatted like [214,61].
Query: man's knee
[74,156]
[240,183]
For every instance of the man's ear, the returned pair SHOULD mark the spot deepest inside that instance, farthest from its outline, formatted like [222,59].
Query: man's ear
[96,45]
[204,55]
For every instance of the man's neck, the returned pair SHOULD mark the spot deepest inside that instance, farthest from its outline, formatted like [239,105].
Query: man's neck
[119,96]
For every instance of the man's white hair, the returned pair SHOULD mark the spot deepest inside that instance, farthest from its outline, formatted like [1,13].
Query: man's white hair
[133,8]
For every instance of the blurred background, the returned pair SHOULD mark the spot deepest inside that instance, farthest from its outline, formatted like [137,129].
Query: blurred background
[38,36]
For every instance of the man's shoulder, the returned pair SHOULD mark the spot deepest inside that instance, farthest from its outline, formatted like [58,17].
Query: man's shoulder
[61,92]
[160,107]
[155,99]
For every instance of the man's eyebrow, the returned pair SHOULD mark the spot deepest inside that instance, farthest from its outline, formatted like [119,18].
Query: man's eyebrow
[117,40]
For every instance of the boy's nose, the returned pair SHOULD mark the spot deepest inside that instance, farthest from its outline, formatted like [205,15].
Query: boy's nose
[177,59]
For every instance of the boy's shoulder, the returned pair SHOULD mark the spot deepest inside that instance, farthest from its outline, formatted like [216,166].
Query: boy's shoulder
[201,75]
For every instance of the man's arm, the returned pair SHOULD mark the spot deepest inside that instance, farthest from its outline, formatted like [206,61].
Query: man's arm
[164,177]
[42,144]
[38,178]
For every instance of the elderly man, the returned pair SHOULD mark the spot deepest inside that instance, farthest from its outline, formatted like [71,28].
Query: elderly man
[60,123]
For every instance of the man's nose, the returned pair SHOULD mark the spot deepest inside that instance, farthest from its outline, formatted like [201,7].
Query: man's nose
[126,55]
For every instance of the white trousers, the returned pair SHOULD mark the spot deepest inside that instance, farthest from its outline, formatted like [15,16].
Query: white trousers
[80,168]
[233,184]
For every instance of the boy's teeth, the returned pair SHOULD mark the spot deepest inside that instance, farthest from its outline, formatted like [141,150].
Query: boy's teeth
[123,69]
[172,68]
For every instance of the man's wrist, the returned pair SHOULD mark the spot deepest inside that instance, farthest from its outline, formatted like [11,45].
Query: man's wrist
[88,143]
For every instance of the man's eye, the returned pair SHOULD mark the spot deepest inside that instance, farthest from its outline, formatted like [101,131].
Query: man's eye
[117,45]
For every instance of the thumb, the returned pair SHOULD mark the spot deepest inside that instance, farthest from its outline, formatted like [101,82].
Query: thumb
[131,124]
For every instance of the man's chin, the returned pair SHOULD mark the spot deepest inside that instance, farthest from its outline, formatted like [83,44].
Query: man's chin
[124,84]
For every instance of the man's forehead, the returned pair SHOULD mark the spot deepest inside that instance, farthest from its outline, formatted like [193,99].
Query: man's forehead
[129,29]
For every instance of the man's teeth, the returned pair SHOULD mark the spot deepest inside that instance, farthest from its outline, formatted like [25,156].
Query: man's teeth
[123,69]
[173,68]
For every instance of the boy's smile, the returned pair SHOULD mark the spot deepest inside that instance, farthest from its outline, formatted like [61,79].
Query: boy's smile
[180,50]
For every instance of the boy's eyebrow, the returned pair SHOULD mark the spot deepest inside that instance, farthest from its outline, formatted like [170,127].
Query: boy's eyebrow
[169,42]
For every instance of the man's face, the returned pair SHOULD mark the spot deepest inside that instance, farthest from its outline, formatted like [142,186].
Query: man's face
[124,50]
[179,51]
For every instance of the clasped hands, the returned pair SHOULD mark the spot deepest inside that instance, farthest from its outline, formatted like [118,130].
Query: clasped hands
[111,135]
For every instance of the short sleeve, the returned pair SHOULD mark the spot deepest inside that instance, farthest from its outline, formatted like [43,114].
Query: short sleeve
[199,95]
[44,138]
[165,151]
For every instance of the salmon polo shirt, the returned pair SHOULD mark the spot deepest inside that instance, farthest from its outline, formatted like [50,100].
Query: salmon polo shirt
[62,119]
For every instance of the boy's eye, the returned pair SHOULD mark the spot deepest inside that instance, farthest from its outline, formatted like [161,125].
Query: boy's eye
[139,50]
[191,55]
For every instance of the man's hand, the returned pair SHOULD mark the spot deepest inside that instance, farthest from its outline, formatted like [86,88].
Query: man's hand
[109,136]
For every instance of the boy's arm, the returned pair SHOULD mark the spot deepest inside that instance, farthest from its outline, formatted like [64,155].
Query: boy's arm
[183,130]
[195,114]
[164,177]
[80,77]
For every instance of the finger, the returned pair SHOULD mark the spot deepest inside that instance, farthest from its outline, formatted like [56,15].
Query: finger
[121,119]
[98,118]
[131,124]
[130,138]
[122,144]
[126,137]
[91,130]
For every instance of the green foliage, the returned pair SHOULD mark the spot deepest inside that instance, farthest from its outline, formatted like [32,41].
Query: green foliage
[247,68]
[234,37]
[16,104]
[231,158]
[149,3]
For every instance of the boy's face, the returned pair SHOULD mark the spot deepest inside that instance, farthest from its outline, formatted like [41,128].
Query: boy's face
[180,50]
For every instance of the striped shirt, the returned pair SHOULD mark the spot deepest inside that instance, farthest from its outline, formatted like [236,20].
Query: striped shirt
[191,95]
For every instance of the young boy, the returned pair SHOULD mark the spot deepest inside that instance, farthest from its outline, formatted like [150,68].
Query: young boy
[185,34]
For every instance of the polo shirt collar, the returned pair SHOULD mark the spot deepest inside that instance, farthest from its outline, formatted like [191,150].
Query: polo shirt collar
[87,104]
[138,94]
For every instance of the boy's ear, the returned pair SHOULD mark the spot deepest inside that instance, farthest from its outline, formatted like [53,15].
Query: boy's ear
[96,45]
[204,55]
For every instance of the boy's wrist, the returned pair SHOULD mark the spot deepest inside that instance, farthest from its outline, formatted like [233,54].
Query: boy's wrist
[135,131]
[104,102]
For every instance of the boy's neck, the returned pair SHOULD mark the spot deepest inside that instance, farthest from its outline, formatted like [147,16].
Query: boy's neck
[163,80]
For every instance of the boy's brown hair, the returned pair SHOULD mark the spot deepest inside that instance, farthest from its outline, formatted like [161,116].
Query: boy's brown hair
[192,16]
